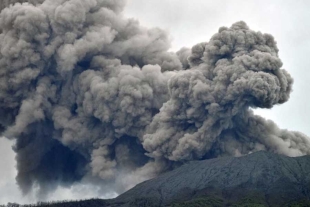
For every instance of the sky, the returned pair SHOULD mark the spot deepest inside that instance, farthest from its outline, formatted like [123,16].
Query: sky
[191,22]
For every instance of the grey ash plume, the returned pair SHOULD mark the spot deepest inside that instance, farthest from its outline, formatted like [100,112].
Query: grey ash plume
[88,93]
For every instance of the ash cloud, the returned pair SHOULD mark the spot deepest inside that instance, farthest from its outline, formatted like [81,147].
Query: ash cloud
[90,95]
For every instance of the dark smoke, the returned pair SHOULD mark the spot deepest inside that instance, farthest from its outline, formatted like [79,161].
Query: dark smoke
[87,93]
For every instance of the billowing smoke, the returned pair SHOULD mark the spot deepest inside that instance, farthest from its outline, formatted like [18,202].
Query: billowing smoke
[7,3]
[90,95]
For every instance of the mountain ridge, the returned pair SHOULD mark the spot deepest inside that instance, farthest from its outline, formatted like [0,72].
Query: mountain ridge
[255,180]
[263,171]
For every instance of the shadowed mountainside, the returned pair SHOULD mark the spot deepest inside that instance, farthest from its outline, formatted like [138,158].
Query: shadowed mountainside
[269,178]
[258,179]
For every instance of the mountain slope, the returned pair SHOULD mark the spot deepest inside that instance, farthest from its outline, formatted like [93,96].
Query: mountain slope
[256,180]
[272,179]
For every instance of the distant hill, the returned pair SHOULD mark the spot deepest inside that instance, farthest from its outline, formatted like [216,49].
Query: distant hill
[258,179]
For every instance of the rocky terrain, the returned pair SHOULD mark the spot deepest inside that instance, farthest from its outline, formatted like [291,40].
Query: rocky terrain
[258,179]
[270,179]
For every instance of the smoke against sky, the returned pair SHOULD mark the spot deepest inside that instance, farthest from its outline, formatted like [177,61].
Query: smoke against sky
[90,96]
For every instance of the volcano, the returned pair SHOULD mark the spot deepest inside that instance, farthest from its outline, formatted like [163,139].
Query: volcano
[258,179]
